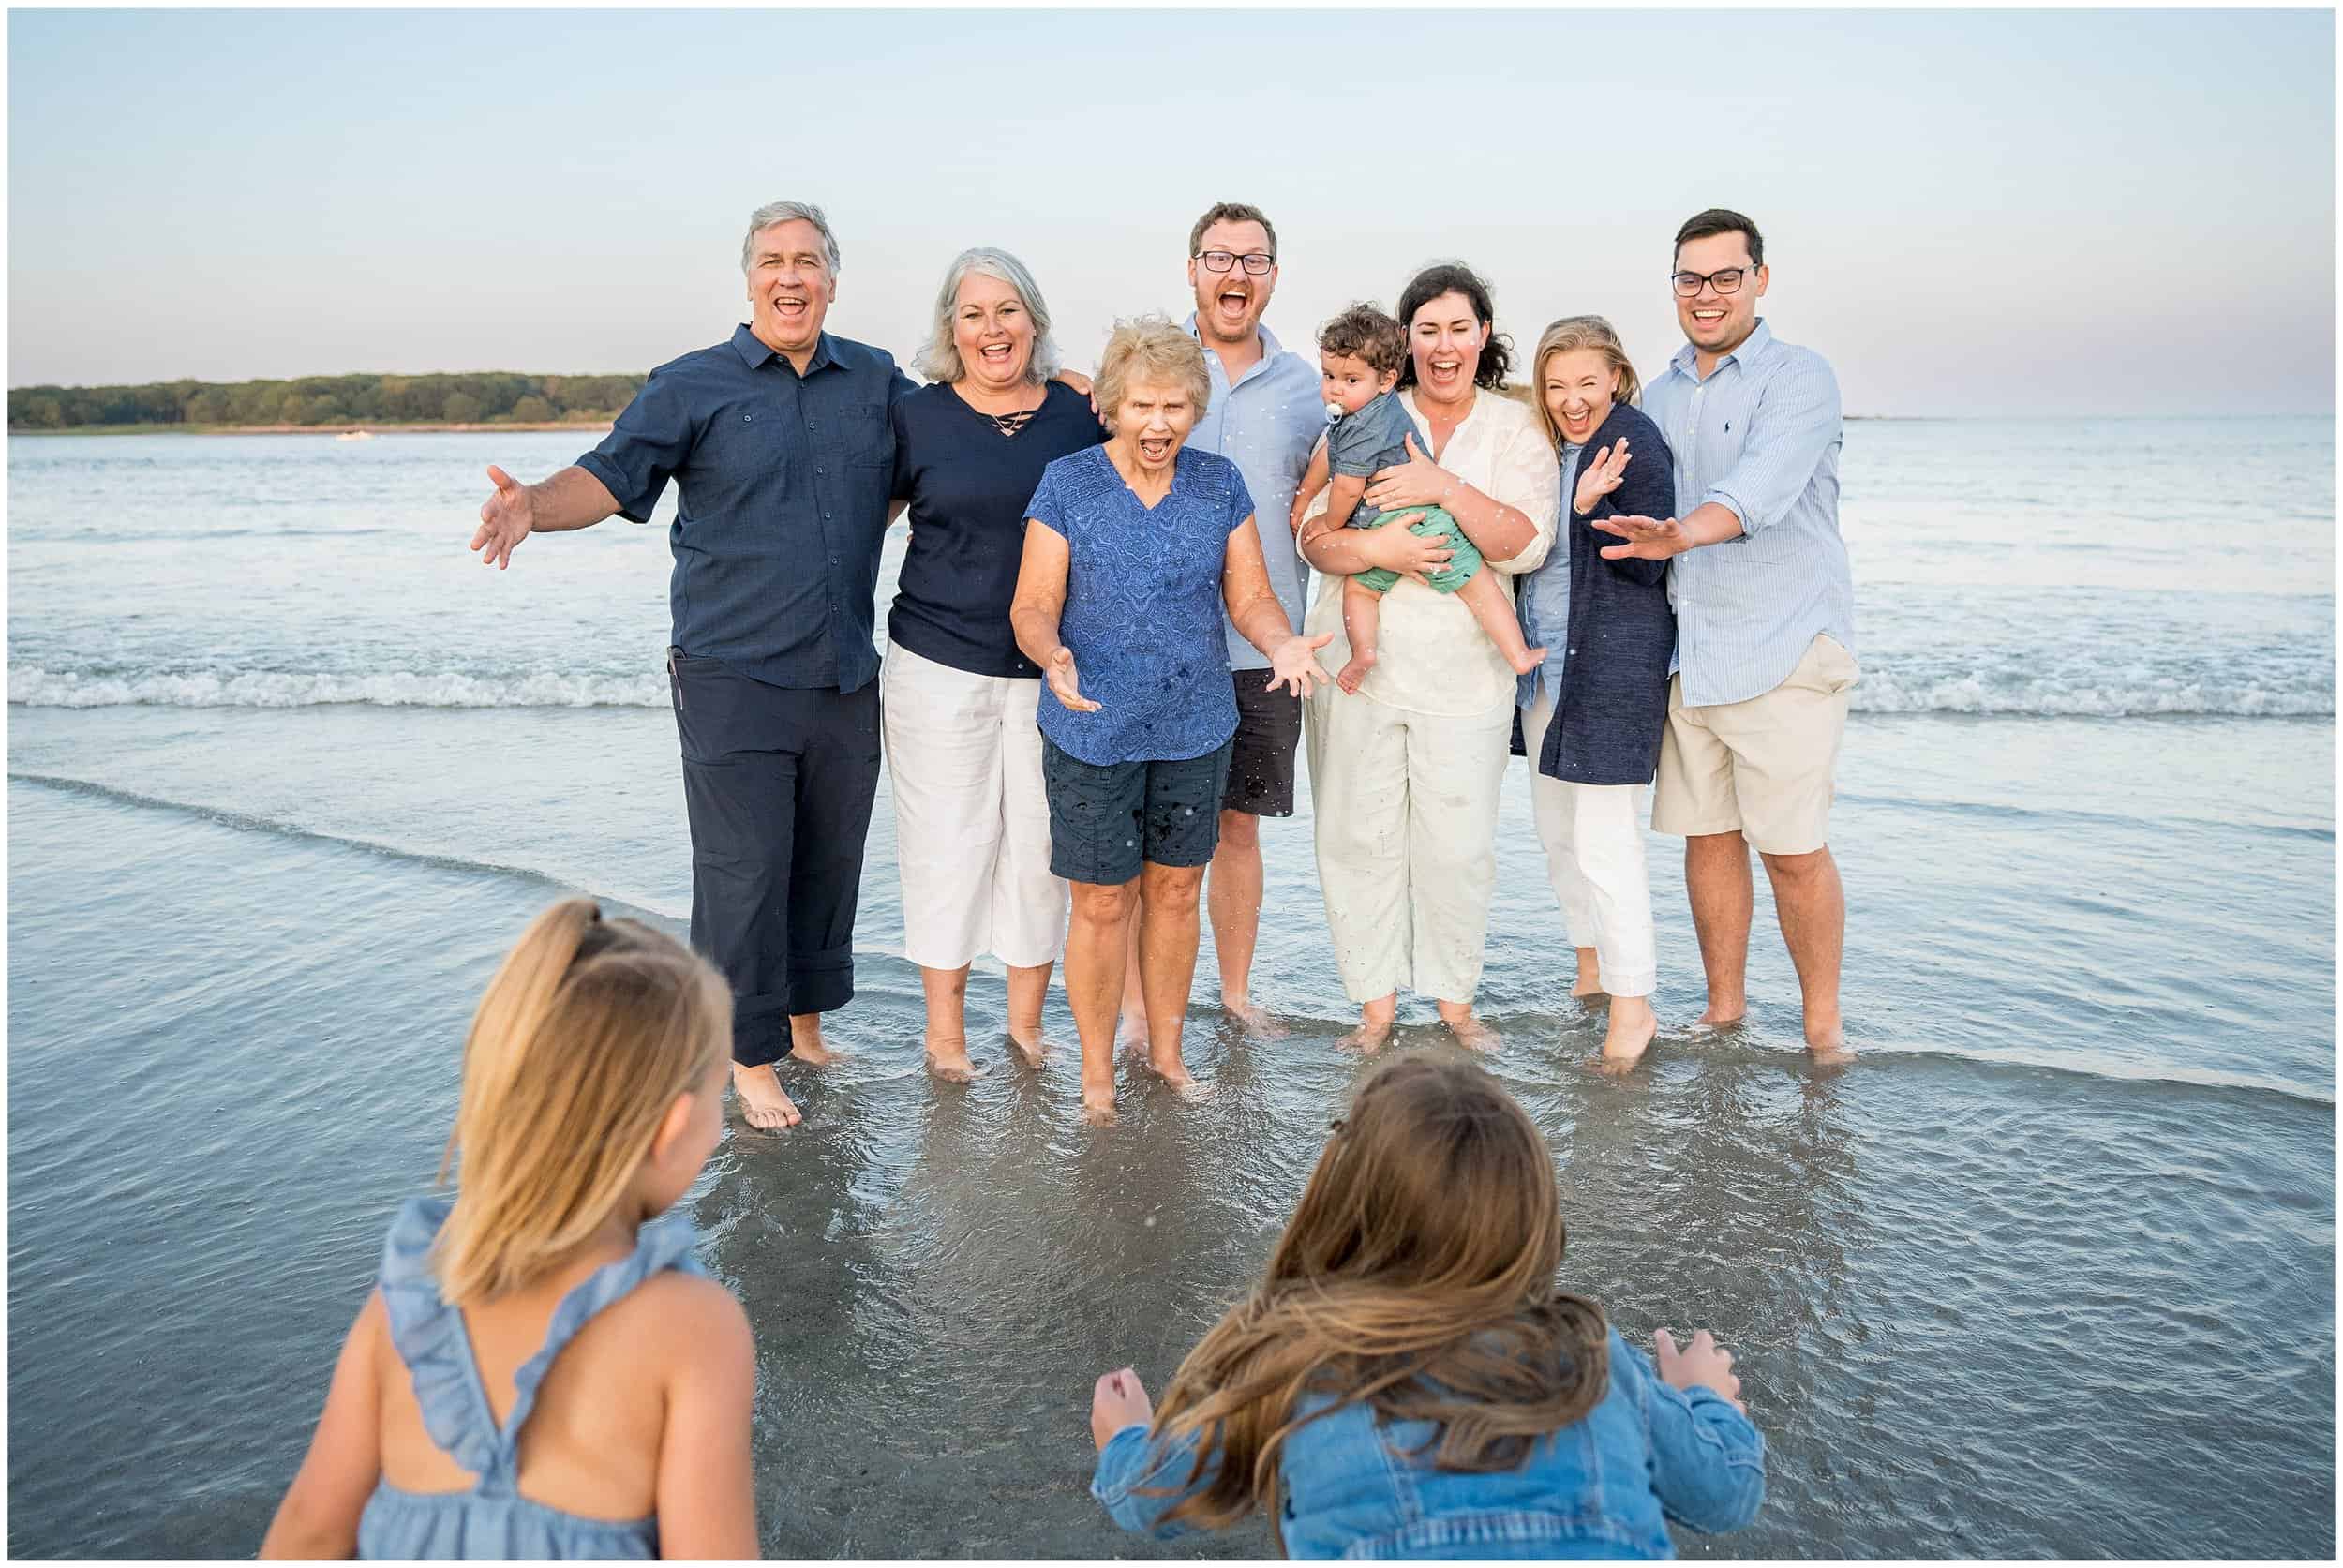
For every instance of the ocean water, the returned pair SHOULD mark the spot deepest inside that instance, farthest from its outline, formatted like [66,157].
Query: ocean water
[2050,1270]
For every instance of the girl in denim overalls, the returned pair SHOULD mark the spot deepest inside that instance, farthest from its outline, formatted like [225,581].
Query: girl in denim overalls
[1408,1382]
[551,1285]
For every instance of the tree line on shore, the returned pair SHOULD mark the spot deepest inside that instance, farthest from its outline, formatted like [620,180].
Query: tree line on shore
[494,397]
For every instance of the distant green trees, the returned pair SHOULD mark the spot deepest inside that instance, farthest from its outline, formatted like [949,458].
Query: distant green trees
[474,397]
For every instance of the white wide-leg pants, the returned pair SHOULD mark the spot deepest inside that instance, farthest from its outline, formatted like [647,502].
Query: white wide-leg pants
[1406,810]
[1594,857]
[971,823]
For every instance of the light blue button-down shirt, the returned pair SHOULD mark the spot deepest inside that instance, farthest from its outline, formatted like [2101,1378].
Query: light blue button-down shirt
[1545,605]
[1761,436]
[1266,425]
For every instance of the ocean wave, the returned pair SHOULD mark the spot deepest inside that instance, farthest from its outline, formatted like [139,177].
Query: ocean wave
[2089,694]
[35,687]
[2308,694]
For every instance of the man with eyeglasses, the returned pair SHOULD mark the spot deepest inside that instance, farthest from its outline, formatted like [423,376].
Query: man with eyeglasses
[1265,416]
[1764,623]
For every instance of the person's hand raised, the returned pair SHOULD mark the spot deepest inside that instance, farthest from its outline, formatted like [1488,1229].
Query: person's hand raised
[1702,1363]
[1117,1400]
[505,520]
[1417,482]
[1065,684]
[1295,667]
[1648,538]
[1600,477]
[1395,549]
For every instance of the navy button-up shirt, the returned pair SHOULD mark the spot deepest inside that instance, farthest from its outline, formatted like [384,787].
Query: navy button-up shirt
[786,482]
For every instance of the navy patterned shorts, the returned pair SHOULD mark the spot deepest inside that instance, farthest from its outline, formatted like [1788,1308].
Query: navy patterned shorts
[1104,821]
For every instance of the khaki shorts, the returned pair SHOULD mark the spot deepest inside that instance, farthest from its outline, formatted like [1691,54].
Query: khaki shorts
[1763,767]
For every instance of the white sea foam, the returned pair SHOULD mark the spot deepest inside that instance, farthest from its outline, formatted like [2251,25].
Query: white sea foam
[2305,692]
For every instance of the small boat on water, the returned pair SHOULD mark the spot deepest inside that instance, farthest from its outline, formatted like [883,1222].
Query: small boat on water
[355,435]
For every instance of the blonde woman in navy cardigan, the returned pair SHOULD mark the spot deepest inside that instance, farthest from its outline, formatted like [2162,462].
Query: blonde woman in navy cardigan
[1593,713]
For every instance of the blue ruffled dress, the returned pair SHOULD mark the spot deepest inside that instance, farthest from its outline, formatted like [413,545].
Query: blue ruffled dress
[493,1519]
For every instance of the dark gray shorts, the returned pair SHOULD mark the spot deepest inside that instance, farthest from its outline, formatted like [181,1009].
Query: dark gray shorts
[1105,821]
[1268,732]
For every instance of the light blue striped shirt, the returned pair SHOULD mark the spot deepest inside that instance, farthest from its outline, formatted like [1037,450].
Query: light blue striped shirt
[1760,436]
[1266,425]
[1544,607]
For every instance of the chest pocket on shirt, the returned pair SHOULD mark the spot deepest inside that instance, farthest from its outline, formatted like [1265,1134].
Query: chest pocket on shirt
[742,444]
[865,434]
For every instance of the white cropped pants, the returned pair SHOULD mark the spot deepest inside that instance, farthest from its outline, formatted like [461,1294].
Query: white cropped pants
[1594,857]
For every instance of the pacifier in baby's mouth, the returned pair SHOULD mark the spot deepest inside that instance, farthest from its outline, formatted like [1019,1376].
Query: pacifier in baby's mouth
[1334,411]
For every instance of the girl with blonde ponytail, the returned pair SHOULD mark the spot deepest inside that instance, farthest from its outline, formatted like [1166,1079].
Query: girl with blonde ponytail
[1408,1381]
[543,1369]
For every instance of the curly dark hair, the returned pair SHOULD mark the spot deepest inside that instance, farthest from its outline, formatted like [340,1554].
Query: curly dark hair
[1454,277]
[1364,333]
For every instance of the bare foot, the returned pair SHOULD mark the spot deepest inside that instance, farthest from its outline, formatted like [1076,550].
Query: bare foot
[763,1106]
[1471,1033]
[1351,674]
[1526,660]
[805,1042]
[1831,1048]
[1171,1067]
[1099,1106]
[1713,1016]
[1632,1026]
[1367,1038]
[1251,1017]
[949,1060]
[1130,1034]
[1030,1042]
[1589,974]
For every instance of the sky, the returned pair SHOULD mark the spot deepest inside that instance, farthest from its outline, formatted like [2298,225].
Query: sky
[1982,213]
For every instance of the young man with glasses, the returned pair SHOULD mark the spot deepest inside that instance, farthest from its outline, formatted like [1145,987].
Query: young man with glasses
[1765,608]
[1265,416]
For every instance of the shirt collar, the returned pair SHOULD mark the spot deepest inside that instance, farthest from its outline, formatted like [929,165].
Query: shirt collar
[1270,347]
[1759,340]
[753,351]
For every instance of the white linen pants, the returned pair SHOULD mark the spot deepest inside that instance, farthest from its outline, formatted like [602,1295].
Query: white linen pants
[1594,857]
[972,822]
[1406,809]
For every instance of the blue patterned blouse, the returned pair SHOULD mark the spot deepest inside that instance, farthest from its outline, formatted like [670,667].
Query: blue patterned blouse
[1143,611]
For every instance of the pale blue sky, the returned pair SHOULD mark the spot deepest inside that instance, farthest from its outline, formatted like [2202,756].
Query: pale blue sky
[1967,212]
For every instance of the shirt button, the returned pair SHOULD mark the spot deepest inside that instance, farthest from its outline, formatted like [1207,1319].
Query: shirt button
[1570,650]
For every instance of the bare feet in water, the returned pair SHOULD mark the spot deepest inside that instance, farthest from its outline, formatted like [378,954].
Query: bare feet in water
[762,1104]
[1632,1026]
[1351,674]
[947,1059]
[805,1041]
[1172,1072]
[1252,1017]
[1098,1104]
[1371,1035]
[1030,1042]
[1714,1017]
[1590,975]
[1831,1049]
[1471,1032]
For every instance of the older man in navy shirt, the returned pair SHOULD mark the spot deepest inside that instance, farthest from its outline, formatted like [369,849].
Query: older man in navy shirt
[780,442]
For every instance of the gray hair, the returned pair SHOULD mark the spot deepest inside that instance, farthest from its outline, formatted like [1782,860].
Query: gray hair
[786,212]
[938,359]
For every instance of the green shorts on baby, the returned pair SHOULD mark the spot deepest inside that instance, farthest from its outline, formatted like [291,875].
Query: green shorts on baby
[1436,524]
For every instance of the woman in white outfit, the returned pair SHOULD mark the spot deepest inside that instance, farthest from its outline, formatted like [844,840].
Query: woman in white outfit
[963,758]
[1404,776]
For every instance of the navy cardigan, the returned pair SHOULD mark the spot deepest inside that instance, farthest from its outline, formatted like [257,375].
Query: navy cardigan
[1612,703]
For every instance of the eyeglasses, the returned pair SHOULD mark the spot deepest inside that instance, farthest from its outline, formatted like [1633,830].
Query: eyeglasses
[1222,261]
[1728,281]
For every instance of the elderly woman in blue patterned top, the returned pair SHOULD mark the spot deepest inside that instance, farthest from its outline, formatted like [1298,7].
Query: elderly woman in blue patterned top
[1132,550]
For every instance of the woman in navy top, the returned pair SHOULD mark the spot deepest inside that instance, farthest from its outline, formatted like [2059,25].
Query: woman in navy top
[971,830]
[1592,714]
[1132,551]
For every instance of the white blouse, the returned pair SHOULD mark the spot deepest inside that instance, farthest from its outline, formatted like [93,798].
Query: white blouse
[1433,656]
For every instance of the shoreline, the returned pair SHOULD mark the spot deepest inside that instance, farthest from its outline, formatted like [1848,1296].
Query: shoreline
[363,430]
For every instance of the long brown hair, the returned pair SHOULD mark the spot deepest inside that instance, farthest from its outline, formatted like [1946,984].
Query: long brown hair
[587,1034]
[1416,1277]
